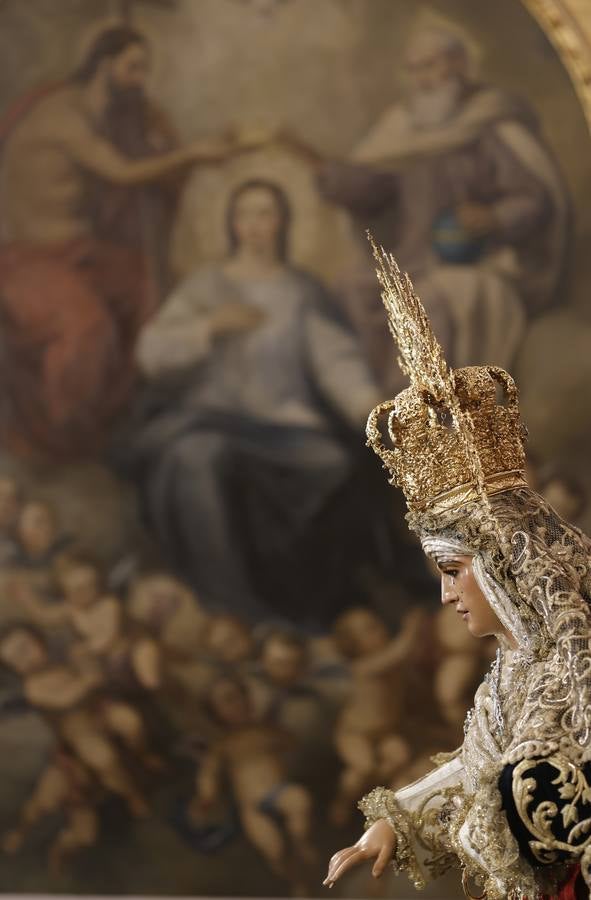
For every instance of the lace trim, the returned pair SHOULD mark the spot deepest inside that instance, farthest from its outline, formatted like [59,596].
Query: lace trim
[381,803]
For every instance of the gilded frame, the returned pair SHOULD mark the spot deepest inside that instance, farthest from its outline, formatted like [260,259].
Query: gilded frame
[567,24]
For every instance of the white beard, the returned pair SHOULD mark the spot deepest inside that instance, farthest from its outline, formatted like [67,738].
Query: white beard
[431,107]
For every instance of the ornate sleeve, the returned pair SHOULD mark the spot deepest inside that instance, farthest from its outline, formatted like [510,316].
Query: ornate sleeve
[422,816]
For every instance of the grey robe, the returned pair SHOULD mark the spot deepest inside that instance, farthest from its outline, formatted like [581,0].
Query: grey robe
[402,179]
[245,449]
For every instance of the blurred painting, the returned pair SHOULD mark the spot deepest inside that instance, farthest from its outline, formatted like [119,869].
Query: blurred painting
[215,633]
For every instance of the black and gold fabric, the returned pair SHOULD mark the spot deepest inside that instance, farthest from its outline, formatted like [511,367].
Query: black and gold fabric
[547,802]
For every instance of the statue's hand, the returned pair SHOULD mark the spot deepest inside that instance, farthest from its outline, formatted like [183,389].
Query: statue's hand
[377,843]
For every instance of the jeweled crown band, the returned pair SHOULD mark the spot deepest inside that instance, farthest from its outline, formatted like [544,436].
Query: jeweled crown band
[466,493]
[444,459]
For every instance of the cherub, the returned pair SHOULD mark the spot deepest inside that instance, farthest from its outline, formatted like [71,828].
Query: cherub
[284,687]
[284,658]
[38,535]
[67,787]
[83,720]
[228,640]
[368,738]
[39,542]
[170,611]
[275,812]
[226,645]
[96,618]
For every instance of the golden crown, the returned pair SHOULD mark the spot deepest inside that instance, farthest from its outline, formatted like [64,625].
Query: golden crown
[453,435]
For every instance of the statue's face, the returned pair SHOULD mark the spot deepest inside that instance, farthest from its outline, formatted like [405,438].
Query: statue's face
[460,589]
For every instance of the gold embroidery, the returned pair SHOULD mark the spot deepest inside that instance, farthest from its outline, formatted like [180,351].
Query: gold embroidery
[457,452]
[382,804]
[540,817]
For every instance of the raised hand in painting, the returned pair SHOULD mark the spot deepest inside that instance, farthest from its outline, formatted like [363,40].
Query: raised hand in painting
[377,843]
[300,148]
[254,137]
